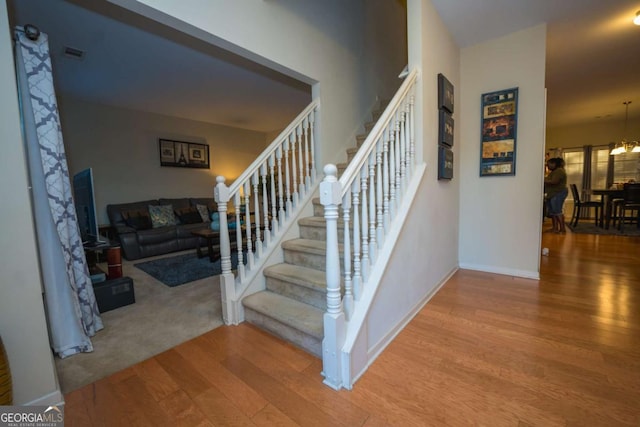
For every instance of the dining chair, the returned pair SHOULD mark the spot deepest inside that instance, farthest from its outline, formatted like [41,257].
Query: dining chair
[631,202]
[579,206]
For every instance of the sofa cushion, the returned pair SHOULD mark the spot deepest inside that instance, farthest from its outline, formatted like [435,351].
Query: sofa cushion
[162,215]
[156,236]
[176,203]
[137,219]
[204,212]
[115,210]
[188,215]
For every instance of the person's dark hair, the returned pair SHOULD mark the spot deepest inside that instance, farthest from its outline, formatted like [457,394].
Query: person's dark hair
[558,162]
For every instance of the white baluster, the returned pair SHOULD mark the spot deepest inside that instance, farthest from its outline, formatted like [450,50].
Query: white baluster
[287,182]
[408,126]
[373,246]
[412,134]
[312,119]
[256,214]
[392,168]
[294,172]
[302,188]
[307,178]
[346,244]
[385,179]
[266,234]
[247,224]
[379,202]
[397,165]
[274,213]
[334,319]
[280,188]
[227,281]
[365,223]
[237,202]
[403,143]
[357,265]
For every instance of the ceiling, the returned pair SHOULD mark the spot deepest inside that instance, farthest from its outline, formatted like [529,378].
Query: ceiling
[593,50]
[147,67]
[593,60]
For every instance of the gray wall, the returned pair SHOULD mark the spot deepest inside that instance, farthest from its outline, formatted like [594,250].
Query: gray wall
[122,148]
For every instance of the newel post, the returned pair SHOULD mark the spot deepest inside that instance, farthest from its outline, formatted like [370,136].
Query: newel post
[334,318]
[227,280]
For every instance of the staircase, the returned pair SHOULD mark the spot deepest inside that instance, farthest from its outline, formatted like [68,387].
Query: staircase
[295,300]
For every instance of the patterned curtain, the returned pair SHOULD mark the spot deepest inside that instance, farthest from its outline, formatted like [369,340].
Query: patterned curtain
[71,307]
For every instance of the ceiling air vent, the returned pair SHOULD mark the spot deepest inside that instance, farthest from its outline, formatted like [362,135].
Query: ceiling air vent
[74,53]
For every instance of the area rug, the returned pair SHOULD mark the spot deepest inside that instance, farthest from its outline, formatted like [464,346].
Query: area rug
[180,269]
[627,230]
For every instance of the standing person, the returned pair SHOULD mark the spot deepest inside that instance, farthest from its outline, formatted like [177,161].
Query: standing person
[555,186]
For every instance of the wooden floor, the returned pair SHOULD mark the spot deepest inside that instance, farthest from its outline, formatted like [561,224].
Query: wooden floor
[487,350]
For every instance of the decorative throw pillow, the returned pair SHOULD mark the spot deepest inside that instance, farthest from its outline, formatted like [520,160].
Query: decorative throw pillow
[138,220]
[162,215]
[203,210]
[189,215]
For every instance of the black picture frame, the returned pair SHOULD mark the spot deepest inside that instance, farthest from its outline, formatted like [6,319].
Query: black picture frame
[445,128]
[445,94]
[445,163]
[183,154]
[499,125]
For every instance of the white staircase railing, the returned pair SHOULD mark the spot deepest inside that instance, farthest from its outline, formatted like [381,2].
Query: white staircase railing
[263,198]
[370,191]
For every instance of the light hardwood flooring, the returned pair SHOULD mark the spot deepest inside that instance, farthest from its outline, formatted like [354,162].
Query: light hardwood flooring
[486,350]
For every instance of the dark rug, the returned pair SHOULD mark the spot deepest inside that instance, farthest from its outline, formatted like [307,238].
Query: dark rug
[180,269]
[627,230]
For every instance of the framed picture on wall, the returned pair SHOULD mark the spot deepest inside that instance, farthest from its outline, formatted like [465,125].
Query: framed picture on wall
[445,163]
[499,133]
[445,93]
[183,154]
[445,129]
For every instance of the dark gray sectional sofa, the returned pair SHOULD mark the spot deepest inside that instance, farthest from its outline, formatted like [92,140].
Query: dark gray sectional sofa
[140,240]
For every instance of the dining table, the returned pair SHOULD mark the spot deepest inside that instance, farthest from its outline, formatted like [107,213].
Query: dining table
[608,195]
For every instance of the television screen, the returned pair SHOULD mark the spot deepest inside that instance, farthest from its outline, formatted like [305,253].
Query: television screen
[84,199]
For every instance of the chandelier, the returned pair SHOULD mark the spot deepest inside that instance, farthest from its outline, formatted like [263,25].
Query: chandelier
[625,146]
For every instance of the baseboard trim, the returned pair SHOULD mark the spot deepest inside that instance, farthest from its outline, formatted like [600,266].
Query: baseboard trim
[52,399]
[526,274]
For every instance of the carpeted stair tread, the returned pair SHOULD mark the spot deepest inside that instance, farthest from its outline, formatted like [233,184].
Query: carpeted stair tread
[301,276]
[303,317]
[352,151]
[315,247]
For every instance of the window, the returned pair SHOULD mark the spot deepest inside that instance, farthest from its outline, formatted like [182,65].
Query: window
[599,165]
[626,166]
[574,165]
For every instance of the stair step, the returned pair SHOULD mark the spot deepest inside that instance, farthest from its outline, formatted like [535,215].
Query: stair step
[307,253]
[360,139]
[303,284]
[315,228]
[318,209]
[351,153]
[291,320]
[368,126]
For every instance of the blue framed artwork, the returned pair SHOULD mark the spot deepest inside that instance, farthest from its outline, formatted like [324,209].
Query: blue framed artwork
[499,133]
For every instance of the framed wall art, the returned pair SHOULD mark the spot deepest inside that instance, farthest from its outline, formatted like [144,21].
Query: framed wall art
[445,93]
[183,154]
[445,129]
[445,163]
[499,133]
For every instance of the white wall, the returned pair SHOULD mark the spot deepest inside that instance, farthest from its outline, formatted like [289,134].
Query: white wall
[428,243]
[122,148]
[22,322]
[500,217]
[310,40]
